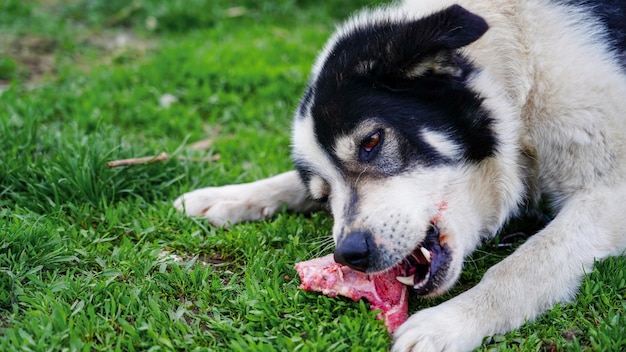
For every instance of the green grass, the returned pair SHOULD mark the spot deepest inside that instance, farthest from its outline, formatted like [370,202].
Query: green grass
[80,243]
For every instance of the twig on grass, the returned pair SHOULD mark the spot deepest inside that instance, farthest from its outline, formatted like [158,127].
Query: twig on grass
[161,157]
[201,145]
[138,161]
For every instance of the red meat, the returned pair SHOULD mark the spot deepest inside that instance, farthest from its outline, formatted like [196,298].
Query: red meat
[382,290]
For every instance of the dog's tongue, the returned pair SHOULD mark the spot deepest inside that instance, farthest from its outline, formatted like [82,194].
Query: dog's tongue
[383,291]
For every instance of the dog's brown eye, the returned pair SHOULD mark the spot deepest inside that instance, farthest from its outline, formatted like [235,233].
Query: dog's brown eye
[371,142]
[371,146]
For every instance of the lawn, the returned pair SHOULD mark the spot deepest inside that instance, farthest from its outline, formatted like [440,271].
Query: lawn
[94,257]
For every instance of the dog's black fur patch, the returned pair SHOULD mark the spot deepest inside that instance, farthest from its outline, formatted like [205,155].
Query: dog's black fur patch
[367,75]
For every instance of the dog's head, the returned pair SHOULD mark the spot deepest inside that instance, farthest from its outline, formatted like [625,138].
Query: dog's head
[406,152]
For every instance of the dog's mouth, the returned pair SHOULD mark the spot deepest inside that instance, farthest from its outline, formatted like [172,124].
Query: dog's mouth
[426,267]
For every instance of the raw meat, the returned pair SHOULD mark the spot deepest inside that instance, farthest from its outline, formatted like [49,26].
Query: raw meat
[382,290]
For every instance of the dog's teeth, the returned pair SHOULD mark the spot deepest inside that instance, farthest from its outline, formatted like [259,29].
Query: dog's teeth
[407,280]
[426,254]
[423,282]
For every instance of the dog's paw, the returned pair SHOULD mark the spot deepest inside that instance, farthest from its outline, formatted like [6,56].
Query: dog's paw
[226,205]
[437,329]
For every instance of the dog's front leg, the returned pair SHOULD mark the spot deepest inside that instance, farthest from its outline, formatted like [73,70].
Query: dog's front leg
[543,271]
[249,201]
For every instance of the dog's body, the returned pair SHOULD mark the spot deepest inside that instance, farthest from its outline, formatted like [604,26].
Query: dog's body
[426,126]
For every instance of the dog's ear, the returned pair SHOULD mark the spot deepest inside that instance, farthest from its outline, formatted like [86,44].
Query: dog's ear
[455,27]
[412,49]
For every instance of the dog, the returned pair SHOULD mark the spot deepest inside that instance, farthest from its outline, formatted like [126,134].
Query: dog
[427,124]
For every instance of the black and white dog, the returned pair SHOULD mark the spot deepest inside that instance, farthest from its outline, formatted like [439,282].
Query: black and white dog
[427,124]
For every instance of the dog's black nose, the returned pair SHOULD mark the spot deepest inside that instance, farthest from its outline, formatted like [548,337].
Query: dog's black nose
[354,250]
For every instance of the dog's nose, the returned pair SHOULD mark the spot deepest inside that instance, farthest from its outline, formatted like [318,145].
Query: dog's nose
[354,250]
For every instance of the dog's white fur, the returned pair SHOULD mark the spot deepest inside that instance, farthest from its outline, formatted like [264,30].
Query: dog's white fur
[561,95]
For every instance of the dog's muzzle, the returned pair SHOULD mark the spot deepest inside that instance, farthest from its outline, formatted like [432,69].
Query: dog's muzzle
[424,269]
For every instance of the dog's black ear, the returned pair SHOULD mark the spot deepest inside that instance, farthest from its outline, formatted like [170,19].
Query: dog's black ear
[394,52]
[411,49]
[455,27]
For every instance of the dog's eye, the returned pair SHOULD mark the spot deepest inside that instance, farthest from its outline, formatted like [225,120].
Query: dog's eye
[371,142]
[370,146]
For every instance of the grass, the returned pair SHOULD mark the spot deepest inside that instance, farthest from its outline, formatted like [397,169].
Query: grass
[82,264]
